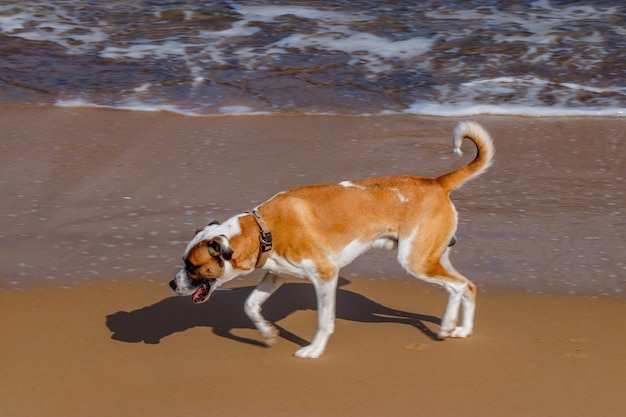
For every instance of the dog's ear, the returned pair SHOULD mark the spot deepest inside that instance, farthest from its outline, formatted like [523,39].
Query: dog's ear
[219,247]
[215,248]
[227,253]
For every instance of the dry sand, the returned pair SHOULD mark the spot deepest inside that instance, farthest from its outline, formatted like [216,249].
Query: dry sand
[132,349]
[102,202]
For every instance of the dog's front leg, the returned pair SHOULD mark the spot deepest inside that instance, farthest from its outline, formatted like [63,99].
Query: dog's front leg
[326,292]
[255,300]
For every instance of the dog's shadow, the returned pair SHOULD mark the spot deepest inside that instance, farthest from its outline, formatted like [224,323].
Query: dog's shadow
[224,312]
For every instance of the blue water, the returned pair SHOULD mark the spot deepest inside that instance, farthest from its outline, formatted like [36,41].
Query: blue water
[326,57]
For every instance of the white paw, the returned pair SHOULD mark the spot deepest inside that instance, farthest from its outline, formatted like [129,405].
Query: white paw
[457,332]
[310,351]
[461,332]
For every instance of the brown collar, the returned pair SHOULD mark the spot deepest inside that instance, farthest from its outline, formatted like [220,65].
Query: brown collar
[265,239]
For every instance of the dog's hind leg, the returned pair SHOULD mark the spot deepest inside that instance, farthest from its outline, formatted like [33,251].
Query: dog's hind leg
[325,290]
[460,294]
[431,264]
[270,283]
[467,291]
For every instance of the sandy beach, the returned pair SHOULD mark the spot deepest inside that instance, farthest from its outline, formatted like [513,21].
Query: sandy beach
[131,348]
[97,206]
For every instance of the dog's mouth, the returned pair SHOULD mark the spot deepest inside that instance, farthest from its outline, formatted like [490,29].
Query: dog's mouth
[203,292]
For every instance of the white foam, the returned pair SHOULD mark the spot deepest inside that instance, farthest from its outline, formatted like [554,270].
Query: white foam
[131,106]
[234,110]
[373,50]
[56,25]
[270,13]
[462,109]
[154,51]
[426,108]
[466,101]
[333,34]
[143,87]
[136,105]
[9,24]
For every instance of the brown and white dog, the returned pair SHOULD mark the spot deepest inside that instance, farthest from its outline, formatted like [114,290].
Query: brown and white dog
[313,231]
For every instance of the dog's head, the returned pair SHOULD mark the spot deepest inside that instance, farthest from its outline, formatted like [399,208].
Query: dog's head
[210,261]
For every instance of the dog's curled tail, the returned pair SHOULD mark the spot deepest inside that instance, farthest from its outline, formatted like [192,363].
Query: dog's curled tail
[484,155]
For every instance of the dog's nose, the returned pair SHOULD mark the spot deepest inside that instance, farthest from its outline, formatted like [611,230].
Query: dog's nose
[173,284]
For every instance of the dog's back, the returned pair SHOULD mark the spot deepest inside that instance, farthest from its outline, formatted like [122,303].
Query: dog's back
[332,216]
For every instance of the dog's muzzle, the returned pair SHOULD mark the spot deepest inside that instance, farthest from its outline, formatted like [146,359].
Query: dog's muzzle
[200,291]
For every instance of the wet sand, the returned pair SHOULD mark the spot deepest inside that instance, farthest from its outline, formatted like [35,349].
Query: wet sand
[98,205]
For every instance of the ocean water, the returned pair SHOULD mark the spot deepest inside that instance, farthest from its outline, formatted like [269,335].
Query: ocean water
[542,57]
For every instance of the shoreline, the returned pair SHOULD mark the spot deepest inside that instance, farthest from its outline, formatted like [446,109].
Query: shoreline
[86,106]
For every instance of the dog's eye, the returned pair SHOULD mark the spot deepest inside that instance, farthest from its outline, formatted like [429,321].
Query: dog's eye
[191,267]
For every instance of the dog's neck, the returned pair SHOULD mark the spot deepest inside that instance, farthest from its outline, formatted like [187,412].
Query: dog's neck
[265,239]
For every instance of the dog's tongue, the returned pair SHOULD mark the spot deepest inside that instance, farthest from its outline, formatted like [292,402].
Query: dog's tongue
[201,294]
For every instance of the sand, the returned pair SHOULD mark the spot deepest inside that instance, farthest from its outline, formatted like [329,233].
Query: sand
[131,349]
[98,205]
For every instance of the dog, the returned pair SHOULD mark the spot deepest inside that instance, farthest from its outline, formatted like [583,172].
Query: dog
[313,231]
